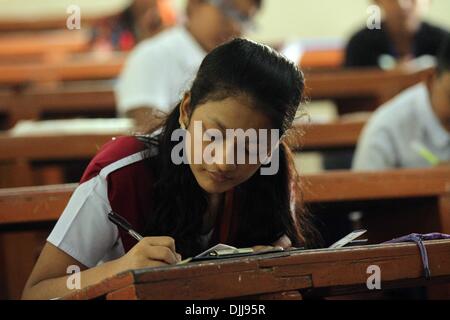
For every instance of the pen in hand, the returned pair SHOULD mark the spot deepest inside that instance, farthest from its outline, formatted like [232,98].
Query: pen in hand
[124,224]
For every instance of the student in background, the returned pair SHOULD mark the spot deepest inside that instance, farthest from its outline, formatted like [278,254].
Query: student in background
[412,130]
[403,36]
[182,209]
[159,69]
[142,19]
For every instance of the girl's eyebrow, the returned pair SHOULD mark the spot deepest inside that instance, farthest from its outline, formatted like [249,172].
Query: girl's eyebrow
[218,123]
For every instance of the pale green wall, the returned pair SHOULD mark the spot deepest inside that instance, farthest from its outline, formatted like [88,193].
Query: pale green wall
[284,19]
[279,19]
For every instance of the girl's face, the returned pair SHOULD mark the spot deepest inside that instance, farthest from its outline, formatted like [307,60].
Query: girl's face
[224,172]
[213,24]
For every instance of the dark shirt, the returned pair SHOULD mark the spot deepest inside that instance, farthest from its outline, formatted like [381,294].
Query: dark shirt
[366,46]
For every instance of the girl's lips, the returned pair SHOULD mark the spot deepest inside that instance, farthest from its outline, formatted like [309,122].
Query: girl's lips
[218,176]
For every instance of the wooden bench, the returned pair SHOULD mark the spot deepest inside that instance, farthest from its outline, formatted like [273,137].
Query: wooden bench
[313,273]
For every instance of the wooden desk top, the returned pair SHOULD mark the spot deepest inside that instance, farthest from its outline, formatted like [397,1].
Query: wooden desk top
[81,67]
[346,83]
[46,203]
[335,186]
[321,272]
[85,146]
[341,83]
[42,43]
[56,147]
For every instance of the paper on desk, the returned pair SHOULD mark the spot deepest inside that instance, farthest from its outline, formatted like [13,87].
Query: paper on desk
[217,247]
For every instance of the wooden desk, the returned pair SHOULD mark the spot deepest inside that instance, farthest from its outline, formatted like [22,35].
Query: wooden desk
[80,67]
[81,99]
[321,189]
[361,89]
[322,59]
[325,136]
[312,273]
[354,90]
[388,203]
[411,200]
[17,153]
[39,45]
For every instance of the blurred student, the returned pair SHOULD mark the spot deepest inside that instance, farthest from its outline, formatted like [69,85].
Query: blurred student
[412,130]
[160,68]
[404,35]
[142,19]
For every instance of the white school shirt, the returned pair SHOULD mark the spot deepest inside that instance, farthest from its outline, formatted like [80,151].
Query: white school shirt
[388,138]
[158,71]
[84,231]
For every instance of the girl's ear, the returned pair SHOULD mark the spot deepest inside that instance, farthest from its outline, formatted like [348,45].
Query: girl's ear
[185,110]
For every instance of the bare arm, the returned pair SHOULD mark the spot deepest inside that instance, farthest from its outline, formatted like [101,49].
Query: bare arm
[49,277]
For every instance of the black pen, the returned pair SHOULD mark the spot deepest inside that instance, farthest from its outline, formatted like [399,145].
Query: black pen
[124,224]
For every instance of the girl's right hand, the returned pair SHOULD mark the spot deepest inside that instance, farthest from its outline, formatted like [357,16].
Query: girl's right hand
[149,252]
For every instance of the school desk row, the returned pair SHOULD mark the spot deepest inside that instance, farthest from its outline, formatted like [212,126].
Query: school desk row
[352,90]
[46,45]
[41,47]
[392,204]
[296,276]
[427,190]
[25,162]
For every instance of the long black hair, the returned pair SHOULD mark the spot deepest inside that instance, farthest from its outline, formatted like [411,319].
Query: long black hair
[276,86]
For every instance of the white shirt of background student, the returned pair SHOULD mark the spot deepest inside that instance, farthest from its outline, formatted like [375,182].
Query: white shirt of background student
[160,68]
[417,117]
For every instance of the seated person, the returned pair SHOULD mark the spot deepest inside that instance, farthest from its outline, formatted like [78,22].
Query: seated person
[142,19]
[412,130]
[403,36]
[160,68]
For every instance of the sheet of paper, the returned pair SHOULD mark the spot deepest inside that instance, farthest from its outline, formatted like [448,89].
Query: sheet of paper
[217,247]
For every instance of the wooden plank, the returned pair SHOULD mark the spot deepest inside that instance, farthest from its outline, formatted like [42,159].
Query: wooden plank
[322,188]
[82,67]
[307,271]
[103,288]
[318,136]
[42,43]
[322,59]
[56,147]
[362,82]
[34,204]
[345,83]
[353,186]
